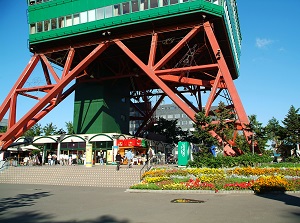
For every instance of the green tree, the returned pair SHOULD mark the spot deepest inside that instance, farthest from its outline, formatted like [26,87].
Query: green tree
[202,127]
[292,126]
[35,130]
[169,129]
[49,129]
[276,133]
[70,128]
[259,137]
[225,119]
[3,128]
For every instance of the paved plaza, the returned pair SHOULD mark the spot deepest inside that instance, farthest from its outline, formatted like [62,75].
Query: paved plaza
[42,203]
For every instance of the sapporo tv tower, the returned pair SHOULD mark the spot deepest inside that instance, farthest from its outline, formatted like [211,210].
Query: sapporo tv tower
[119,53]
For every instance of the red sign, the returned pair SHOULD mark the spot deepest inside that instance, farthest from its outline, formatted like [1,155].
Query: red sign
[129,142]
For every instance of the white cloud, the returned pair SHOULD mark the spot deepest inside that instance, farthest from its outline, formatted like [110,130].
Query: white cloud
[262,43]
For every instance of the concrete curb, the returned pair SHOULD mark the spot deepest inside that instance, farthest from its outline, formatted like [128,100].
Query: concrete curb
[205,191]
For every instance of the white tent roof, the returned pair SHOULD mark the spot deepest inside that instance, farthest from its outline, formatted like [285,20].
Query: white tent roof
[29,147]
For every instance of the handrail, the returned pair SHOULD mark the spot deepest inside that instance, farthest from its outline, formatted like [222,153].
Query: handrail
[146,164]
[3,164]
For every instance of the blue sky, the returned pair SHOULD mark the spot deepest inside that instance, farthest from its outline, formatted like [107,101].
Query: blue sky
[269,75]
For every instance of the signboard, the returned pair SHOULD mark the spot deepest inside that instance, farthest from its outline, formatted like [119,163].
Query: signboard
[183,153]
[89,155]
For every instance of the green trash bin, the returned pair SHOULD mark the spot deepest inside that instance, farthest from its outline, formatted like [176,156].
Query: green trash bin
[183,153]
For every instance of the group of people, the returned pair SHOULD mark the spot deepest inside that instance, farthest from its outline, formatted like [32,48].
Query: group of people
[128,156]
[64,159]
[32,160]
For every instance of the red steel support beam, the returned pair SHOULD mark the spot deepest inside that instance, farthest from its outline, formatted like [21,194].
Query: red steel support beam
[227,77]
[150,72]
[21,126]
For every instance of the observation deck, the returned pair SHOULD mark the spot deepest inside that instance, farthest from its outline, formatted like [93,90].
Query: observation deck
[56,25]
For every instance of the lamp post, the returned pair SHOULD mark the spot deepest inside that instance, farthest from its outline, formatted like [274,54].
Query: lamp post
[297,143]
[253,143]
[59,139]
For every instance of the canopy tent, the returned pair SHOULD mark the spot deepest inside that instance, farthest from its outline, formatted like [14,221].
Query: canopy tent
[23,148]
[29,147]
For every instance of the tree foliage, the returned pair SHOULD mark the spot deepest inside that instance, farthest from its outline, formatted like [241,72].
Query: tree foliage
[169,129]
[35,130]
[70,128]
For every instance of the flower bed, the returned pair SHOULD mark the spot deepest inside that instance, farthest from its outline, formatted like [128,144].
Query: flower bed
[257,179]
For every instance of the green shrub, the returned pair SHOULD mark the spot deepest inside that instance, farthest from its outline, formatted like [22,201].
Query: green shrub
[150,186]
[207,160]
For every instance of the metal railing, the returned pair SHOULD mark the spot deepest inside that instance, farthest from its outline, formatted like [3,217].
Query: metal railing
[144,169]
[4,164]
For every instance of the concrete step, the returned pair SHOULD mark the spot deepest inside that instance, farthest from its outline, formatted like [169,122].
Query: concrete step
[96,176]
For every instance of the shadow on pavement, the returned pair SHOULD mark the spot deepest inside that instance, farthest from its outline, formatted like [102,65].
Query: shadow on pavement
[21,200]
[35,217]
[283,197]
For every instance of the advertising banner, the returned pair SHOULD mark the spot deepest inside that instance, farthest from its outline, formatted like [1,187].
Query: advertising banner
[89,155]
[183,153]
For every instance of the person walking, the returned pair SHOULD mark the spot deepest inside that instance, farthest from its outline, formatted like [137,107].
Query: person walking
[129,157]
[118,160]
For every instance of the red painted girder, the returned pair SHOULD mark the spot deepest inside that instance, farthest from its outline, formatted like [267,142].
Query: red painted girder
[13,110]
[19,84]
[176,48]
[44,88]
[226,74]
[45,111]
[153,48]
[227,78]
[188,102]
[46,63]
[138,131]
[188,81]
[212,94]
[180,70]
[18,128]
[150,72]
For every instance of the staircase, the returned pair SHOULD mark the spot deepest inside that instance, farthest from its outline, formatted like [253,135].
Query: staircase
[96,176]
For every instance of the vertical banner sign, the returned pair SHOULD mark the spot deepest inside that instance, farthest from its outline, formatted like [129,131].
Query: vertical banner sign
[89,155]
[115,151]
[183,153]
[109,157]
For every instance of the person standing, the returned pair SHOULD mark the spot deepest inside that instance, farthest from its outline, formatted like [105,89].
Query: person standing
[101,158]
[129,157]
[49,159]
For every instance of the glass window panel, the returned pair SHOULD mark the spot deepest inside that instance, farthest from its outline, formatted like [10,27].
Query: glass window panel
[144,5]
[172,2]
[46,25]
[83,17]
[76,19]
[32,28]
[61,23]
[117,10]
[108,11]
[68,20]
[125,7]
[100,13]
[109,144]
[39,27]
[165,2]
[91,15]
[153,4]
[53,23]
[81,145]
[134,6]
